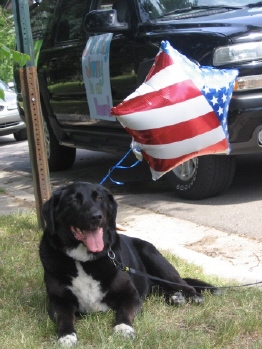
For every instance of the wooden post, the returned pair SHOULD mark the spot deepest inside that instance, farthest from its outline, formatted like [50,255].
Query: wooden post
[32,107]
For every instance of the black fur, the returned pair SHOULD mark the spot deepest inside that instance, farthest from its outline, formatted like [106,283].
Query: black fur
[73,212]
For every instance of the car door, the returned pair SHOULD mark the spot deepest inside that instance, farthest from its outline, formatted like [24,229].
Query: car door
[68,94]
[63,63]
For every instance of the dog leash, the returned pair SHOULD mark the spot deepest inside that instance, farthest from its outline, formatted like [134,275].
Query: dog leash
[120,266]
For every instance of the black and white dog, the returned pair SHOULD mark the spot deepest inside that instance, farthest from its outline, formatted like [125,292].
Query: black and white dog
[82,255]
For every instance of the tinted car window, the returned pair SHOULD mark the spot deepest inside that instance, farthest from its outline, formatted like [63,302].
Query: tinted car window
[70,21]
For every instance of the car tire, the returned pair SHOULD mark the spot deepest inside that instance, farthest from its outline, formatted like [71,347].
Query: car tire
[59,157]
[202,177]
[21,135]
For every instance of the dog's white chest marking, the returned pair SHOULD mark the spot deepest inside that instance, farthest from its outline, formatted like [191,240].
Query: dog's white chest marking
[80,253]
[88,292]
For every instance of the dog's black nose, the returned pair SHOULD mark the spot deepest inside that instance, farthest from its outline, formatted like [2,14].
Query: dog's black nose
[96,218]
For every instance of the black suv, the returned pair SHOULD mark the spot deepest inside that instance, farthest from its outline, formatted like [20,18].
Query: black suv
[209,32]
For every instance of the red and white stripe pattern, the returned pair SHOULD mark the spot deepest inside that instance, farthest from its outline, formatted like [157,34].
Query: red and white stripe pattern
[179,112]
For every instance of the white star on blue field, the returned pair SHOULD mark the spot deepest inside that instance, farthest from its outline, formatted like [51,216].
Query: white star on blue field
[216,85]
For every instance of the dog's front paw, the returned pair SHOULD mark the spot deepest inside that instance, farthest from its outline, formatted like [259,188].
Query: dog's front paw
[197,299]
[178,299]
[125,330]
[68,340]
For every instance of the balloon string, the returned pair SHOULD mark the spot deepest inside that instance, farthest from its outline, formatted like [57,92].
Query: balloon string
[118,166]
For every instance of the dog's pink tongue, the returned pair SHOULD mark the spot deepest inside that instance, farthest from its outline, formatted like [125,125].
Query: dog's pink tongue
[94,240]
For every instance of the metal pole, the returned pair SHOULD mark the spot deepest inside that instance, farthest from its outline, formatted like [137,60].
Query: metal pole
[32,107]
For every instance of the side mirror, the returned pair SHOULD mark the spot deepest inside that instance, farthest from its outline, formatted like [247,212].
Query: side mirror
[102,21]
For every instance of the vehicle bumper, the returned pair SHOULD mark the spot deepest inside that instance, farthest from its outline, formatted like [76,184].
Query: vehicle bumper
[245,123]
[10,123]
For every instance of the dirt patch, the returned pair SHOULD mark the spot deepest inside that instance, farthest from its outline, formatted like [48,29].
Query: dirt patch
[236,250]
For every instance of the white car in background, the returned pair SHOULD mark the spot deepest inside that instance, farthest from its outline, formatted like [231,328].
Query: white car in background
[10,120]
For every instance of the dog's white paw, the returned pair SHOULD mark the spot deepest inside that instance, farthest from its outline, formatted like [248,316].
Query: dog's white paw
[199,300]
[68,340]
[125,330]
[178,299]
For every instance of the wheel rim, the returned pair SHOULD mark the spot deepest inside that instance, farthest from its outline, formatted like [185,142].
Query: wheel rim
[186,170]
[47,139]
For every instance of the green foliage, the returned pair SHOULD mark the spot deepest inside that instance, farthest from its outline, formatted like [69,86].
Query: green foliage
[7,44]
[8,54]
[2,95]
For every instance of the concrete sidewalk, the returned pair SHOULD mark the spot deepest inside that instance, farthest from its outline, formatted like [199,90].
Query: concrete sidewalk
[228,256]
[225,255]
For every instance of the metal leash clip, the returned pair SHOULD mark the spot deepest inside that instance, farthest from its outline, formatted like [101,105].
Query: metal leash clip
[117,264]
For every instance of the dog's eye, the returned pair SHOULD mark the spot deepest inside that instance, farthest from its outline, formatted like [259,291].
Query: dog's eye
[99,198]
[77,199]
[73,201]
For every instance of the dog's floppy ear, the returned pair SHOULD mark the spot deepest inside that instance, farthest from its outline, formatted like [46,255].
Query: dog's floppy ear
[48,210]
[112,209]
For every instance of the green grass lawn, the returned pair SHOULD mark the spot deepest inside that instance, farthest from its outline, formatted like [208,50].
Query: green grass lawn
[233,320]
[2,191]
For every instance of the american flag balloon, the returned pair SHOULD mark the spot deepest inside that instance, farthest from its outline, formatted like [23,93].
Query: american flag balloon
[179,112]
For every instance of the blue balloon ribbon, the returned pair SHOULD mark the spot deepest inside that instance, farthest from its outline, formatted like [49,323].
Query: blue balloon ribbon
[118,166]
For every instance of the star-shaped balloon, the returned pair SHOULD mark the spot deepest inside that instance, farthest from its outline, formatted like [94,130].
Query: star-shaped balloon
[179,112]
